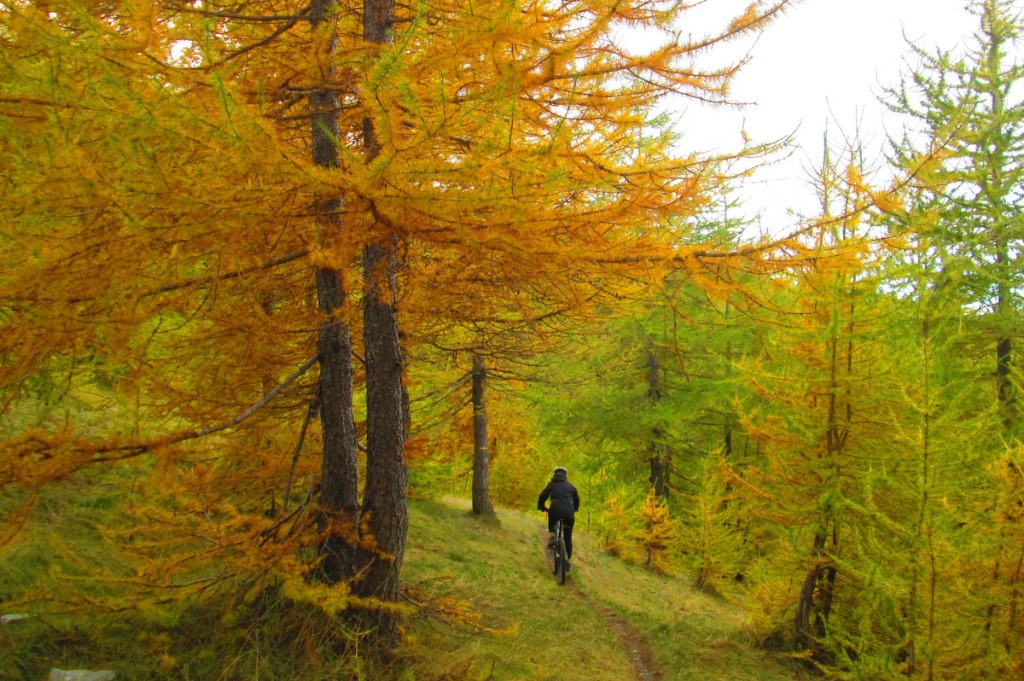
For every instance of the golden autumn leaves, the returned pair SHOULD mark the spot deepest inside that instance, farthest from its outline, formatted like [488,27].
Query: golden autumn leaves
[164,216]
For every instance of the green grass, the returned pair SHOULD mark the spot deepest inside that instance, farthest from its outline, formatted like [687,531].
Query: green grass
[497,568]
[693,635]
[486,607]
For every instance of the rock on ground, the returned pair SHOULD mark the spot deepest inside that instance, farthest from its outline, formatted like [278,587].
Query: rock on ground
[81,675]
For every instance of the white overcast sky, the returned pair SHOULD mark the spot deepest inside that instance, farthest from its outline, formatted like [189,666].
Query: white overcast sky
[822,63]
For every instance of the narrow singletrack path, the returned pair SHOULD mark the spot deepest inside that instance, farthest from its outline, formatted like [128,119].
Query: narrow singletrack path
[636,646]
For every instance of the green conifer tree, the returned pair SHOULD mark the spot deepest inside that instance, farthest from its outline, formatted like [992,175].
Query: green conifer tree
[965,222]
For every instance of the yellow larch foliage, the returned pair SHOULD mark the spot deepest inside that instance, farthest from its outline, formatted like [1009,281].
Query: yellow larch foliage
[755,15]
[615,527]
[162,229]
[749,16]
[660,532]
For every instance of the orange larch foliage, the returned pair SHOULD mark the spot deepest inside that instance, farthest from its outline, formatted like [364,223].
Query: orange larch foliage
[161,229]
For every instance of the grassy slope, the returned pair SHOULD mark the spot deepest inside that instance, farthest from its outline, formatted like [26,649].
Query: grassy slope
[498,568]
[528,627]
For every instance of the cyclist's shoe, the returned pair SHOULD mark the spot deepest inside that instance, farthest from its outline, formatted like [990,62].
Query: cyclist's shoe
[551,542]
[568,566]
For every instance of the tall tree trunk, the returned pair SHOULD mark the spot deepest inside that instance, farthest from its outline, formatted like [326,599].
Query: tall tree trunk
[818,591]
[659,465]
[339,477]
[1007,398]
[1001,173]
[658,457]
[384,499]
[921,574]
[481,453]
[727,439]
[1004,344]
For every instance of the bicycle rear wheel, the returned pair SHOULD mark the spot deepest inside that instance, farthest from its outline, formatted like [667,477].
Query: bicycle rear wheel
[560,558]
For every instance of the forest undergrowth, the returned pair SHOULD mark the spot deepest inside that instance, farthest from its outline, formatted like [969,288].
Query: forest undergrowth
[482,605]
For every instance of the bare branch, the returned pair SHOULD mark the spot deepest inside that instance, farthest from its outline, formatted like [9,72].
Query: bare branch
[131,450]
[198,281]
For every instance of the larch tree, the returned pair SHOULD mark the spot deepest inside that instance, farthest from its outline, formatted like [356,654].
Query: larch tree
[966,218]
[484,330]
[659,534]
[965,107]
[923,509]
[815,383]
[334,396]
[204,201]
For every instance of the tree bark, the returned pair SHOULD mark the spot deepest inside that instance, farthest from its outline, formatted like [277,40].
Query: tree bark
[815,602]
[481,453]
[653,376]
[658,457]
[659,466]
[339,478]
[1004,344]
[384,499]
[818,592]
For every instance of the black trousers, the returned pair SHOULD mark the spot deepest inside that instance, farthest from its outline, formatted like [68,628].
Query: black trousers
[567,522]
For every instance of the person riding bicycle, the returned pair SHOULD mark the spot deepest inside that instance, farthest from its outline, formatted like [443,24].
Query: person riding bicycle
[565,501]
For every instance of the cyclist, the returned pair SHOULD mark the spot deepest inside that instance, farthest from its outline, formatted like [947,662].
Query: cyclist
[565,501]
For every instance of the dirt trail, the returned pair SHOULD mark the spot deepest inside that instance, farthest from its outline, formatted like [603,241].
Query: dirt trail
[636,646]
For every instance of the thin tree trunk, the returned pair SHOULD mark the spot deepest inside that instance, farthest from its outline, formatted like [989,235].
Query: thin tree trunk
[925,525]
[339,479]
[727,440]
[659,467]
[658,458]
[1004,345]
[818,591]
[999,144]
[1014,596]
[932,587]
[481,453]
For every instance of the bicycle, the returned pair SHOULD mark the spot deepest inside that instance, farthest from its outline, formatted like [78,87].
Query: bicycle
[556,547]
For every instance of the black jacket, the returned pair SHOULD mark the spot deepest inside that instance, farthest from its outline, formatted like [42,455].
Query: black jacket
[565,500]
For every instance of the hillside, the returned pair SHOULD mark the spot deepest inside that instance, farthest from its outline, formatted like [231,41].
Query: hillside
[484,607]
[543,631]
